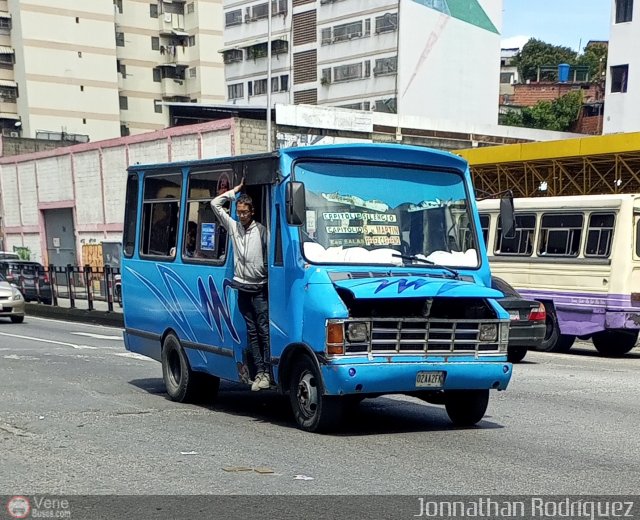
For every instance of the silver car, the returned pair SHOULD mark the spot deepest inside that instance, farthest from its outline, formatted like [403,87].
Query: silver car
[11,301]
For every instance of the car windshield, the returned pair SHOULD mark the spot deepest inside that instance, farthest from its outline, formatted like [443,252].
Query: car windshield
[363,214]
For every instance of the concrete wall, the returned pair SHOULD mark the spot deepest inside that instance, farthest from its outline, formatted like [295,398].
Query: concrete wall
[90,179]
[622,109]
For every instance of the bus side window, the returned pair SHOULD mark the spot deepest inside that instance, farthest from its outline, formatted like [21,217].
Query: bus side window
[599,234]
[161,207]
[205,238]
[130,216]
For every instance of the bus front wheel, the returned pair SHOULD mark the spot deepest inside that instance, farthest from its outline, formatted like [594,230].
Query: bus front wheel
[614,343]
[183,384]
[313,411]
[466,407]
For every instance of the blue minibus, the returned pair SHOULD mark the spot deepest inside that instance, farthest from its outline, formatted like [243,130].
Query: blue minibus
[378,282]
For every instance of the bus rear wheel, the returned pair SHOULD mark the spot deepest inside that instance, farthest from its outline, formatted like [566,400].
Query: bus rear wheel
[466,407]
[183,384]
[313,411]
[614,343]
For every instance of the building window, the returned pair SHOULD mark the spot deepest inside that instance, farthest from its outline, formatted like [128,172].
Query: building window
[174,8]
[236,91]
[386,23]
[284,83]
[347,31]
[278,7]
[279,47]
[157,107]
[7,61]
[347,72]
[325,79]
[78,19]
[157,75]
[192,72]
[120,39]
[118,4]
[259,87]
[8,94]
[386,66]
[232,56]
[506,78]
[5,23]
[155,43]
[124,130]
[153,10]
[192,40]
[84,120]
[124,103]
[233,18]
[325,36]
[624,11]
[81,88]
[79,54]
[619,76]
[260,11]
[122,69]
[191,8]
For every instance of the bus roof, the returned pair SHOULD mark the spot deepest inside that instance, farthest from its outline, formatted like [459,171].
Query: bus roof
[566,202]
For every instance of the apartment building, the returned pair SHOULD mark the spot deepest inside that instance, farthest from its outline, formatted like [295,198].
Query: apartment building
[622,96]
[78,69]
[427,58]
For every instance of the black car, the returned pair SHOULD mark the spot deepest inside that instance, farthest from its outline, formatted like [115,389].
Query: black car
[30,277]
[528,320]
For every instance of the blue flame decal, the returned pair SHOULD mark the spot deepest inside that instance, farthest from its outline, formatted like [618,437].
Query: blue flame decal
[405,284]
[213,308]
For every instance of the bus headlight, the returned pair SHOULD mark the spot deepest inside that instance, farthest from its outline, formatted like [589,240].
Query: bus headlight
[357,332]
[488,332]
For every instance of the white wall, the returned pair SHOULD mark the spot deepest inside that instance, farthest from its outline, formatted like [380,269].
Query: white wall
[622,109]
[451,70]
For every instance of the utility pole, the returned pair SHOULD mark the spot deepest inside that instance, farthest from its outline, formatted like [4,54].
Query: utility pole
[269,147]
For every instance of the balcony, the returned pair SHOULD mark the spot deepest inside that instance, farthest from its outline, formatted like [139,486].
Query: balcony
[174,87]
[172,23]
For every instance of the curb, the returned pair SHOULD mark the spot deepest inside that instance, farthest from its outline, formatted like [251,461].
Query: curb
[111,319]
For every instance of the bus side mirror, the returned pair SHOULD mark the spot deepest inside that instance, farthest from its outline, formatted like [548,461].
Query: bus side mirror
[296,204]
[507,217]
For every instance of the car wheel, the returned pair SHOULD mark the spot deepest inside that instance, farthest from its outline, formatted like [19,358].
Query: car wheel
[553,341]
[17,319]
[614,343]
[516,354]
[183,384]
[313,411]
[466,407]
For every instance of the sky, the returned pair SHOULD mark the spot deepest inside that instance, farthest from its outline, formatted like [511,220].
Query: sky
[571,23]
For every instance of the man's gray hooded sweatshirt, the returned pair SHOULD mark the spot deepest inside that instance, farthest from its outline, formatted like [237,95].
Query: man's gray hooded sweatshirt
[250,246]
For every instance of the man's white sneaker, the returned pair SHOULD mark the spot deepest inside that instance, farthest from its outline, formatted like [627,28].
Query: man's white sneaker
[265,381]
[255,386]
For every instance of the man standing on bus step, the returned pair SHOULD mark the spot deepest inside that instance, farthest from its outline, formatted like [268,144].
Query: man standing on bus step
[249,240]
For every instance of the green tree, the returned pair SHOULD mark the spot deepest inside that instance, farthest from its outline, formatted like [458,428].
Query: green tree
[537,53]
[594,57]
[559,114]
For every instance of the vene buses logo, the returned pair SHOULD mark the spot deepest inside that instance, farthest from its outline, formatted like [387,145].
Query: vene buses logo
[18,507]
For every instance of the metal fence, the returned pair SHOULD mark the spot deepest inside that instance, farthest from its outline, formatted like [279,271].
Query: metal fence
[90,284]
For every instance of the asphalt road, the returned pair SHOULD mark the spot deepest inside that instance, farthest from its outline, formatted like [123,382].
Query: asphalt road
[80,415]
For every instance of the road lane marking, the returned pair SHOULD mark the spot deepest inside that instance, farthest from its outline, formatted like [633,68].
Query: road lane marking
[41,340]
[67,322]
[133,355]
[96,336]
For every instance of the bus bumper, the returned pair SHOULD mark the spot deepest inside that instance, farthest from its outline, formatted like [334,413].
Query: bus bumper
[383,378]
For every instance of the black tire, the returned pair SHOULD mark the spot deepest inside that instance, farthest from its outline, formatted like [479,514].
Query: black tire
[312,410]
[614,343]
[17,319]
[516,354]
[183,384]
[466,407]
[554,341]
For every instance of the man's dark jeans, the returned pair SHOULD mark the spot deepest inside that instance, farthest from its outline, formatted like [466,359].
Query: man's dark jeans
[255,311]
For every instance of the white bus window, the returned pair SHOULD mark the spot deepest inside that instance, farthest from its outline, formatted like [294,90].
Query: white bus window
[560,234]
[522,243]
[161,207]
[204,236]
[484,224]
[600,234]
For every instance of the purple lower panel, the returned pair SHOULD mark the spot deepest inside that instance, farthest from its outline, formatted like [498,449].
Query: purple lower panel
[586,323]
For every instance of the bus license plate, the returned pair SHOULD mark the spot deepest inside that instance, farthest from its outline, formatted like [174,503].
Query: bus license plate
[429,379]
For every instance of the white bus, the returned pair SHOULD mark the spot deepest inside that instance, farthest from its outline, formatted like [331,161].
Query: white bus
[580,256]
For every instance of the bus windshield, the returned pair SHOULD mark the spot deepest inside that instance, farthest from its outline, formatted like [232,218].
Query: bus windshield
[364,214]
